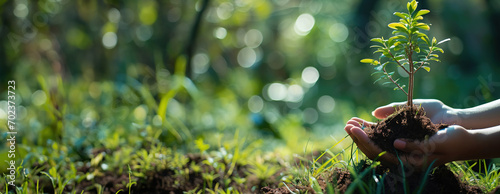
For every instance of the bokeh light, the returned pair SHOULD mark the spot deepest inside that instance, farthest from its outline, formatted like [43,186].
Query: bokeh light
[338,32]
[247,57]
[255,104]
[277,91]
[310,75]
[304,24]
[326,104]
[109,40]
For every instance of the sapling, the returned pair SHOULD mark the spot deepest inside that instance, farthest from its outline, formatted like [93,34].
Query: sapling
[408,49]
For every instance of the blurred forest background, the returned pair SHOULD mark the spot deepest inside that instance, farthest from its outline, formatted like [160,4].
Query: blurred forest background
[283,71]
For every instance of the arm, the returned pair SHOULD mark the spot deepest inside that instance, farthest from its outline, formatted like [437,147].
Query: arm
[487,142]
[453,143]
[483,116]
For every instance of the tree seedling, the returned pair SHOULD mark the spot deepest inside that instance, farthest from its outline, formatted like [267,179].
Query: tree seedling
[408,49]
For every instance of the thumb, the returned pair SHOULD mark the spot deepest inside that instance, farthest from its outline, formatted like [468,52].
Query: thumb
[383,112]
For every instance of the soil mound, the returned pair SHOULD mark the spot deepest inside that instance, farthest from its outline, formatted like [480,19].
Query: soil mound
[409,123]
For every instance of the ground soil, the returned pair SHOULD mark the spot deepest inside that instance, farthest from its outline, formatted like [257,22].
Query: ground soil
[441,180]
[168,181]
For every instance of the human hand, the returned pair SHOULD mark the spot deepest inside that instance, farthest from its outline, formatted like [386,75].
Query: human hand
[354,128]
[447,145]
[435,110]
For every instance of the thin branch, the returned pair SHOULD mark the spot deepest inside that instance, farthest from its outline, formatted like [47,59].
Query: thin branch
[423,62]
[394,58]
[385,72]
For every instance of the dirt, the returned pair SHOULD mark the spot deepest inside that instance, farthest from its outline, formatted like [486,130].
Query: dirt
[406,123]
[442,180]
[169,180]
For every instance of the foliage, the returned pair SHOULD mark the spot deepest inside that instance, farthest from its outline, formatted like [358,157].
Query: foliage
[107,92]
[404,48]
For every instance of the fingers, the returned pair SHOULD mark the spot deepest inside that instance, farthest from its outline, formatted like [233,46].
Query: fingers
[363,142]
[369,148]
[361,122]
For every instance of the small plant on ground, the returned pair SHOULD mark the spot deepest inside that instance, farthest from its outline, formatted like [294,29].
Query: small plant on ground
[408,49]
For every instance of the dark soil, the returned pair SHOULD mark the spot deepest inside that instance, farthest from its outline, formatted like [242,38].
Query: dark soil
[170,181]
[406,123]
[442,180]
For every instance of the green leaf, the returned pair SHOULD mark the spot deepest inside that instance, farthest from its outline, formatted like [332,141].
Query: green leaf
[402,15]
[396,88]
[411,6]
[201,145]
[423,26]
[434,41]
[421,12]
[396,26]
[399,57]
[380,78]
[403,21]
[398,37]
[367,60]
[418,18]
[424,37]
[428,69]
[437,49]
[379,40]
[435,59]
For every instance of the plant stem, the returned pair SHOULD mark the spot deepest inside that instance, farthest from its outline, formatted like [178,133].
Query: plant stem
[411,75]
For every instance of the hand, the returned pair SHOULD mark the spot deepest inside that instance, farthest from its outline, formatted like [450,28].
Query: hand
[435,110]
[447,145]
[354,128]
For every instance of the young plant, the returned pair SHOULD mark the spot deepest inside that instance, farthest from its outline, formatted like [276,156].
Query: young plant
[409,49]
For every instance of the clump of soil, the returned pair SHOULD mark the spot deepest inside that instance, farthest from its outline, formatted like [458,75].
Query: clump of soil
[408,123]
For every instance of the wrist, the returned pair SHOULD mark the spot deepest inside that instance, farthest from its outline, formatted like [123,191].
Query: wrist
[461,117]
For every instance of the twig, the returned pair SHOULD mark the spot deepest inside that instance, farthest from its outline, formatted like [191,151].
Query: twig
[395,82]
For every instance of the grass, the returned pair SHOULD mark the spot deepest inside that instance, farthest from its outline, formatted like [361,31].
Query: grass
[107,137]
